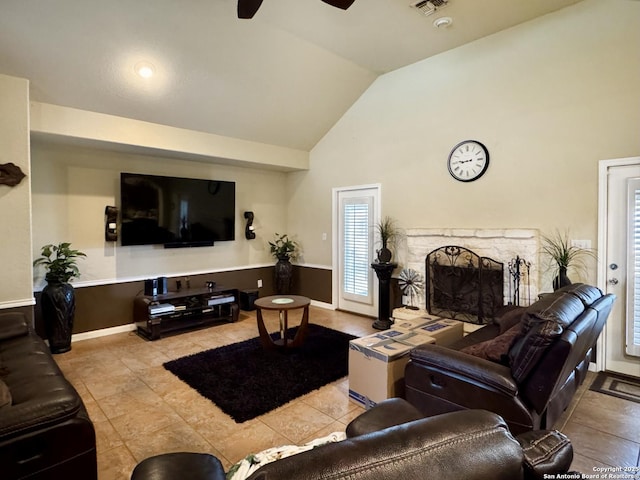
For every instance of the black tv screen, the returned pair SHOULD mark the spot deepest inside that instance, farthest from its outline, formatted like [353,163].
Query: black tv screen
[176,212]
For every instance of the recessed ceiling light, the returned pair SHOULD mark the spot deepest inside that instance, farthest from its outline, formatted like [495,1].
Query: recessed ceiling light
[145,69]
[443,22]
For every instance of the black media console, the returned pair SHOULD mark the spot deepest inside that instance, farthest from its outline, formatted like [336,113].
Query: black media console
[183,310]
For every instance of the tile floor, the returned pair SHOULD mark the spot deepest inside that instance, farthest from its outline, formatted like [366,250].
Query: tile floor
[139,409]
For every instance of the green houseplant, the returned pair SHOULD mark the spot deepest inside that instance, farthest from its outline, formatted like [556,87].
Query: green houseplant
[388,232]
[58,297]
[283,246]
[563,255]
[284,249]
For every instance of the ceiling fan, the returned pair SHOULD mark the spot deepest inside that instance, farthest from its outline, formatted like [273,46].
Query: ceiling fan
[248,8]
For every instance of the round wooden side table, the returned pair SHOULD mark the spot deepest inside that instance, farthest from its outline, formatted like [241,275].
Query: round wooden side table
[283,303]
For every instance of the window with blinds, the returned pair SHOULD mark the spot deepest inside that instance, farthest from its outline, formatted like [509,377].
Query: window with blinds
[357,238]
[633,295]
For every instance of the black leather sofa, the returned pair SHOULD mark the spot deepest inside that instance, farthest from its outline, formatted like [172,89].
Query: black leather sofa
[526,367]
[45,431]
[394,441]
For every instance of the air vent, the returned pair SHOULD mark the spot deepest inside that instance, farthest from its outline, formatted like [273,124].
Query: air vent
[427,7]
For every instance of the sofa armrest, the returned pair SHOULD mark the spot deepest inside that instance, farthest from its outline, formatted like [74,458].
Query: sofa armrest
[477,370]
[49,401]
[13,325]
[194,466]
[388,413]
[546,453]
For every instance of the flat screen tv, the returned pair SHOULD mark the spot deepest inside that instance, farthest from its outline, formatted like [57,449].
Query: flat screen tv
[176,212]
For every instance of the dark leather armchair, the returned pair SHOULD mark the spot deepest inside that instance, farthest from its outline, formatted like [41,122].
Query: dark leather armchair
[526,369]
[468,445]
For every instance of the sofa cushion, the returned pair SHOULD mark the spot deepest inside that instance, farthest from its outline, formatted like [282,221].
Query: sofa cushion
[543,322]
[482,334]
[510,317]
[5,395]
[496,349]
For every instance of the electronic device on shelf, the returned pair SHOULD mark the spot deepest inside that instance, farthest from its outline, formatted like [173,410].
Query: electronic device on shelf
[219,300]
[158,315]
[161,308]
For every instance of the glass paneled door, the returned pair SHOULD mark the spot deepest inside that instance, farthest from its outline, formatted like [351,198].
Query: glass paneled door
[632,338]
[619,271]
[356,213]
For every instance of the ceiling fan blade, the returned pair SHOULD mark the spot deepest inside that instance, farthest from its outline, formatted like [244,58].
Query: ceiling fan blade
[248,8]
[343,4]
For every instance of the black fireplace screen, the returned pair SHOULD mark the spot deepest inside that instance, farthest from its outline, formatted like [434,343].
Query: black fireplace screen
[462,285]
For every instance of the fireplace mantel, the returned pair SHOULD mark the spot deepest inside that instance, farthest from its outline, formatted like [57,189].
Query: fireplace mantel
[502,245]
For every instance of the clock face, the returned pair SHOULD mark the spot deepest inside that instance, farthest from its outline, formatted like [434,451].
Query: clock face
[468,161]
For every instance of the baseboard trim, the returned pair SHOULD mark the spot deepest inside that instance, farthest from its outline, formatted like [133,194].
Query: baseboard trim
[103,332]
[327,306]
[25,302]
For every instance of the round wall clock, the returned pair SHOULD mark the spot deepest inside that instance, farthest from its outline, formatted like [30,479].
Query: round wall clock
[468,161]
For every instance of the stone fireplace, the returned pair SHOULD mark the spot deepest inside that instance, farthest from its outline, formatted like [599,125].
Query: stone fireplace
[502,245]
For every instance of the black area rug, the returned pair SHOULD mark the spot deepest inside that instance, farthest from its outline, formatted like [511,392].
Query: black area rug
[619,386]
[246,381]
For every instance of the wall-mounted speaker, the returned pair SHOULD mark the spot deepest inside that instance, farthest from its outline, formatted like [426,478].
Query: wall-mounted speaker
[111,224]
[249,232]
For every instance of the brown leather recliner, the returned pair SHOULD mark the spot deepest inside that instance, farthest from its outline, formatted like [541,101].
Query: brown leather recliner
[45,431]
[468,445]
[526,369]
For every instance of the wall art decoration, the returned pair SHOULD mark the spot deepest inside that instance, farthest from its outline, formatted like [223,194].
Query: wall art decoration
[10,174]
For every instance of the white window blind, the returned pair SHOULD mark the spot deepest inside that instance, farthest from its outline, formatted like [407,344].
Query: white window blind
[633,312]
[357,238]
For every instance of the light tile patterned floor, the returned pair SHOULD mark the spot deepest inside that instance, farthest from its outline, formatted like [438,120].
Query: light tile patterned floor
[139,409]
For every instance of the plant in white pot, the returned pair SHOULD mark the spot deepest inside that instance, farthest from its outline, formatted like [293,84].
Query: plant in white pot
[58,296]
[284,249]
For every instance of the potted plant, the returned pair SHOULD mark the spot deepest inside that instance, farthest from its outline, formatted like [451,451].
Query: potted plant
[388,233]
[284,249]
[564,255]
[58,297]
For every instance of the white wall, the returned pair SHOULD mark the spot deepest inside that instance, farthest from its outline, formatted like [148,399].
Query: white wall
[549,98]
[15,203]
[73,184]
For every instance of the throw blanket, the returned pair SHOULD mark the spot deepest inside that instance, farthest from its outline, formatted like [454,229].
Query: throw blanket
[245,467]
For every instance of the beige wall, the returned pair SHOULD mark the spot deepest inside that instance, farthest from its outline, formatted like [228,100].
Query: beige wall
[15,203]
[73,184]
[549,98]
[55,121]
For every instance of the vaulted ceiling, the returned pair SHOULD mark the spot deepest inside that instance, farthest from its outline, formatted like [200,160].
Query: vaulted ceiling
[284,77]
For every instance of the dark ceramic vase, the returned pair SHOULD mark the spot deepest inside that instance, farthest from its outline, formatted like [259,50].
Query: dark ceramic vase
[561,279]
[283,274]
[58,310]
[384,255]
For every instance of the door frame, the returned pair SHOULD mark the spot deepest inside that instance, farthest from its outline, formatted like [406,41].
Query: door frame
[335,248]
[603,191]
